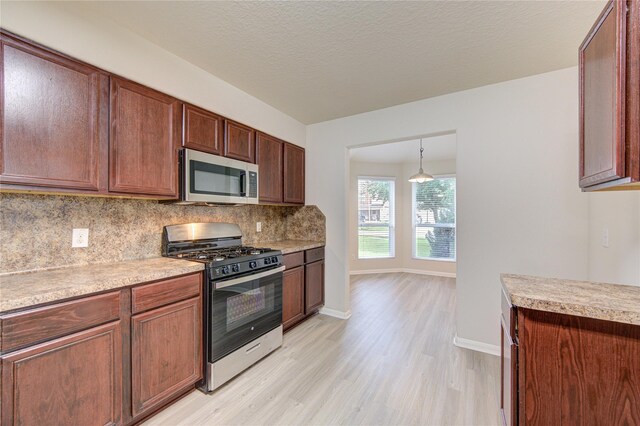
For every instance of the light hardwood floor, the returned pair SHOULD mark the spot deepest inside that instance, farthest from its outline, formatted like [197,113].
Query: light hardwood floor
[392,363]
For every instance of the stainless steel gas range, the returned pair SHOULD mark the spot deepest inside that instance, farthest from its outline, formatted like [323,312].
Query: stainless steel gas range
[242,296]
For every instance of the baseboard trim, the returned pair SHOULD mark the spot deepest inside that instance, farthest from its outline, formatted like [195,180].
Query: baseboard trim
[474,345]
[335,313]
[406,270]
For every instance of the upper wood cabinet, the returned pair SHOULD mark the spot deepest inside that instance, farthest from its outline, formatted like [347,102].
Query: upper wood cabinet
[202,130]
[281,171]
[610,99]
[145,135]
[239,141]
[271,170]
[293,174]
[54,113]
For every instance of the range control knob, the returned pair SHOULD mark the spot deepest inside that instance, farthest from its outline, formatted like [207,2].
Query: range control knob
[267,260]
[225,269]
[252,264]
[274,259]
[235,268]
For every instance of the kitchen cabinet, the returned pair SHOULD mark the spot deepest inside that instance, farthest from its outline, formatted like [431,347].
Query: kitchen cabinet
[145,134]
[239,141]
[293,177]
[292,296]
[202,130]
[166,341]
[166,353]
[566,369]
[609,66]
[112,358]
[313,286]
[281,171]
[270,158]
[62,364]
[54,113]
[303,285]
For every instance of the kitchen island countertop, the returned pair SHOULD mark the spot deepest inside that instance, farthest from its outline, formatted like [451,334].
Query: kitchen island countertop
[612,302]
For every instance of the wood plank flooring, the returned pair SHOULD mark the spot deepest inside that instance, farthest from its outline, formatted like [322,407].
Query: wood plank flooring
[392,363]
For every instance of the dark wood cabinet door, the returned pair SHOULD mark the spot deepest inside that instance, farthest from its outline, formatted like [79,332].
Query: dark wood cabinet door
[602,97]
[74,380]
[202,129]
[576,370]
[166,353]
[293,174]
[292,296]
[145,134]
[313,286]
[54,114]
[270,156]
[239,141]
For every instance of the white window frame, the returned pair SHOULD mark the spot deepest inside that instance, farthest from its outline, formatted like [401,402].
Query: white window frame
[392,216]
[413,223]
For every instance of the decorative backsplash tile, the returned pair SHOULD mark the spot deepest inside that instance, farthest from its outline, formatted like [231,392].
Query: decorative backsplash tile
[35,230]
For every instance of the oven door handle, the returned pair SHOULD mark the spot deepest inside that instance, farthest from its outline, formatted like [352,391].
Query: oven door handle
[236,281]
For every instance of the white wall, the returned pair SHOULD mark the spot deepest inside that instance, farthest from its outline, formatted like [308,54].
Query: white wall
[519,206]
[114,48]
[619,213]
[403,259]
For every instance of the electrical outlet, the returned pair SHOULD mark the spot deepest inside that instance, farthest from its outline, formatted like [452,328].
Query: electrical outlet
[80,237]
[258,226]
[605,237]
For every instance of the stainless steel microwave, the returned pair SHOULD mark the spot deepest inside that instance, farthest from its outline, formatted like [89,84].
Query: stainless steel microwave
[207,178]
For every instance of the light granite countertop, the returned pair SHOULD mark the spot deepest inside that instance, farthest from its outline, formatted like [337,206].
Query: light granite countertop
[292,246]
[20,290]
[612,302]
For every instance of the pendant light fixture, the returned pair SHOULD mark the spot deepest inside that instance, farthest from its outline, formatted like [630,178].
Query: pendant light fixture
[421,176]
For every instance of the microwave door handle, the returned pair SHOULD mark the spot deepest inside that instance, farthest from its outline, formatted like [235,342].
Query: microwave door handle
[243,184]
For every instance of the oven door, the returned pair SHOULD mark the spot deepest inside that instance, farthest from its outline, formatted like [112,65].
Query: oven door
[242,309]
[215,179]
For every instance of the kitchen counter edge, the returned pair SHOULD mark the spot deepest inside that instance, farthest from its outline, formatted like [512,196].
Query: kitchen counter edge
[23,290]
[610,302]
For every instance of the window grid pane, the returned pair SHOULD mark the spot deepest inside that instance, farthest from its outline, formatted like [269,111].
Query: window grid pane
[434,219]
[375,218]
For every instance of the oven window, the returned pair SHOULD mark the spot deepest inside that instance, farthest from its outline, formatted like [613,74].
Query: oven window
[214,179]
[246,307]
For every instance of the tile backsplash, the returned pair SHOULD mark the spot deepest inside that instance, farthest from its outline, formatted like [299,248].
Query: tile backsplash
[35,230]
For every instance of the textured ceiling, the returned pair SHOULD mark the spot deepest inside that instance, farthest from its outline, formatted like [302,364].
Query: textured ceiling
[322,60]
[436,148]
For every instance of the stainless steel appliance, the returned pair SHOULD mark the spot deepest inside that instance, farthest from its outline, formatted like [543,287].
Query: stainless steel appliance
[242,296]
[207,178]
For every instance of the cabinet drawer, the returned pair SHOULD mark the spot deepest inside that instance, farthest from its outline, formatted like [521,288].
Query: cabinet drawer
[162,293]
[314,254]
[25,328]
[292,260]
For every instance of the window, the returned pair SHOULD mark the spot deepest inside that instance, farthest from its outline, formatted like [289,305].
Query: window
[376,218]
[434,219]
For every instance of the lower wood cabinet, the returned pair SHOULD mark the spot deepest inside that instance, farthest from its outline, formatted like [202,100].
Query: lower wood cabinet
[562,369]
[302,285]
[73,380]
[89,361]
[313,286]
[292,296]
[166,353]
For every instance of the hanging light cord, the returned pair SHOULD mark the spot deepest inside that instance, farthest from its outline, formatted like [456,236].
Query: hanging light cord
[421,151]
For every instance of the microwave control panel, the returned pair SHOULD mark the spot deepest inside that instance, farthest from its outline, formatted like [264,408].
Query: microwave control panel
[253,185]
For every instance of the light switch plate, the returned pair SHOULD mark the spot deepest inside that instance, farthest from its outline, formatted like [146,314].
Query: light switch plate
[80,237]
[258,226]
